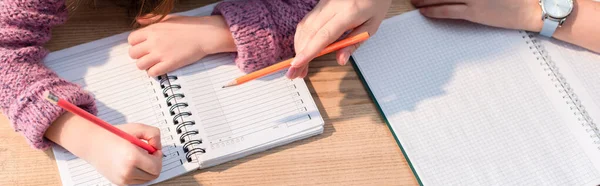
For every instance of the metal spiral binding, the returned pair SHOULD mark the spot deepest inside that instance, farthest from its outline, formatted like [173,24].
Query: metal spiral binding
[564,88]
[168,91]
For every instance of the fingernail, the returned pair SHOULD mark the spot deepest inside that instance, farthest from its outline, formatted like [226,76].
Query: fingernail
[297,60]
[346,57]
[290,72]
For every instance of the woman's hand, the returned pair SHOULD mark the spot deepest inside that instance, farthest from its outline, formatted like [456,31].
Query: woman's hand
[327,22]
[511,14]
[578,29]
[177,41]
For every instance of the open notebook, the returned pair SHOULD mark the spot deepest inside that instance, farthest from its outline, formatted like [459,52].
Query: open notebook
[201,123]
[475,105]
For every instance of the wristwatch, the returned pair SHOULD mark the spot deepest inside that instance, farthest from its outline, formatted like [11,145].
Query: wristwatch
[554,14]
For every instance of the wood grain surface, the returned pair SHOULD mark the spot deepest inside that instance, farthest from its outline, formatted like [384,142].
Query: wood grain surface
[356,147]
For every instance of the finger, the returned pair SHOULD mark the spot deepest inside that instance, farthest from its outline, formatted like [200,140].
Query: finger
[301,28]
[315,13]
[136,37]
[162,68]
[141,131]
[310,27]
[147,61]
[290,73]
[149,163]
[298,36]
[141,175]
[343,55]
[155,142]
[304,72]
[296,72]
[139,50]
[422,3]
[326,35]
[453,11]
[370,26]
[301,71]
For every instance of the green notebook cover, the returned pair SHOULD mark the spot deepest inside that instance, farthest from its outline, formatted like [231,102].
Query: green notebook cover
[362,79]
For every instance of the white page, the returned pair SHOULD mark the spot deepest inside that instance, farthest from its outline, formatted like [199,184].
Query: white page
[580,68]
[471,105]
[247,116]
[583,63]
[104,68]
[123,94]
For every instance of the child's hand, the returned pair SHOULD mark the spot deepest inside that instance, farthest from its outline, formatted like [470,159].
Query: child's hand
[511,14]
[177,41]
[327,22]
[114,157]
[120,161]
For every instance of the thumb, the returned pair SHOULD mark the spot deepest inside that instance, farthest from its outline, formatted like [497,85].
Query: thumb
[145,132]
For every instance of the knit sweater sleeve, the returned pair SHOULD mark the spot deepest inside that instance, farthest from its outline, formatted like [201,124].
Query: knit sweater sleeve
[24,29]
[263,31]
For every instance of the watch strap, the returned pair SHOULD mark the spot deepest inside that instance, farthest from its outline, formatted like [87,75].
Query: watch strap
[549,27]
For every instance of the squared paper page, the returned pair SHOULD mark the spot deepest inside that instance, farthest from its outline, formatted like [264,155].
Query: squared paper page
[247,116]
[580,68]
[584,64]
[123,94]
[471,105]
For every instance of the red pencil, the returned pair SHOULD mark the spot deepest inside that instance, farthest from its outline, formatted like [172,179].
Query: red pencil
[80,112]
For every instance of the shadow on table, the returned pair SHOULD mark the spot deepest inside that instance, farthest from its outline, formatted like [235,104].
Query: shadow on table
[422,74]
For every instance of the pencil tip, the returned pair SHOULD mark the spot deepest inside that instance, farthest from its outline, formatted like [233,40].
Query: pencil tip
[230,84]
[50,97]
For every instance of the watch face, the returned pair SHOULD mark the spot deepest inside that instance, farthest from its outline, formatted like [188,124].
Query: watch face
[558,8]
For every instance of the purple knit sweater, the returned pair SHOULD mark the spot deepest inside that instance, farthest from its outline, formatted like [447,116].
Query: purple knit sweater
[263,31]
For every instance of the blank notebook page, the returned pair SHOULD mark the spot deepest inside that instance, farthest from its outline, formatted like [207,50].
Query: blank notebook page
[467,108]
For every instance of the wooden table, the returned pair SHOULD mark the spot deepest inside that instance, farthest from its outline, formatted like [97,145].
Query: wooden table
[356,147]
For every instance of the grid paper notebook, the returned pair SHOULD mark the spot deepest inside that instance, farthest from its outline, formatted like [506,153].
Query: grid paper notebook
[201,123]
[475,105]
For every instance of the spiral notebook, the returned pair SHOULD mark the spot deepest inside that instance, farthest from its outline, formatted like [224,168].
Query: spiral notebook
[475,105]
[202,124]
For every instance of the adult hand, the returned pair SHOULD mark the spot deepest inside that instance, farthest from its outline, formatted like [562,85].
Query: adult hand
[327,22]
[511,14]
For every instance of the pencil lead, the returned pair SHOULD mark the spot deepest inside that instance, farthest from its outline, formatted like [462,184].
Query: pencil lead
[230,84]
[50,97]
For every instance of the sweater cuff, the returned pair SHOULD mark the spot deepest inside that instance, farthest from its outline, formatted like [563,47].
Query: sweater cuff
[32,115]
[253,32]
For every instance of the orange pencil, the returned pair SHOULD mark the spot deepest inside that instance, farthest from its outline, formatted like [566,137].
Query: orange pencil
[287,63]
